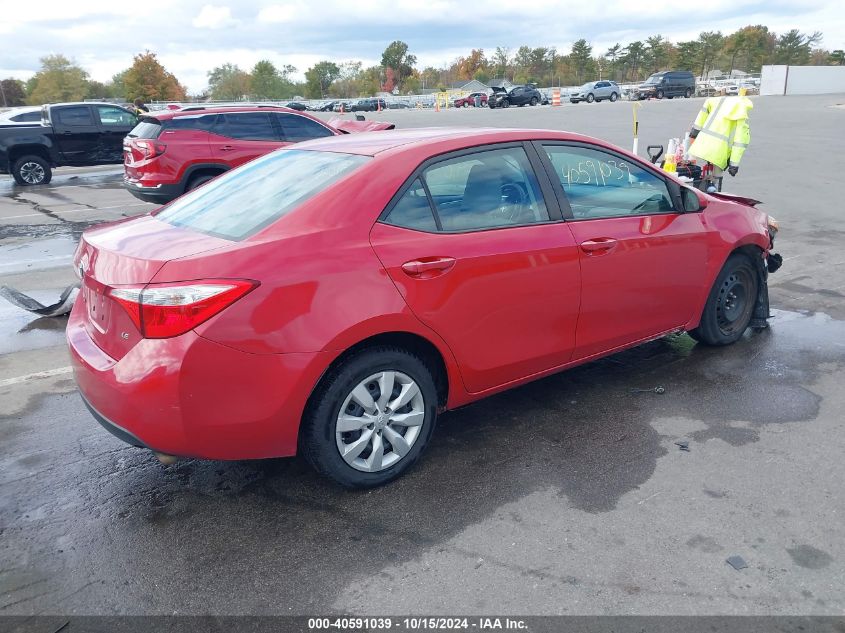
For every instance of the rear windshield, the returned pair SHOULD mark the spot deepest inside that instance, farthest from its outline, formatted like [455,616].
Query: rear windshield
[147,128]
[243,201]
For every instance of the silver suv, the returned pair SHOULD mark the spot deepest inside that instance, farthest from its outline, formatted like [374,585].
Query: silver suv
[596,91]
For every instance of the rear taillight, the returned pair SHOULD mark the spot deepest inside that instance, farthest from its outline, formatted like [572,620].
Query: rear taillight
[166,310]
[148,148]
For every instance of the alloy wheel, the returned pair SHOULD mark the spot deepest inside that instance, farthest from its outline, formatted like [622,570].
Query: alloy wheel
[32,173]
[380,421]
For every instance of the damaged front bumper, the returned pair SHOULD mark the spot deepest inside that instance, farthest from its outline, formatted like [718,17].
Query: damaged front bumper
[765,266]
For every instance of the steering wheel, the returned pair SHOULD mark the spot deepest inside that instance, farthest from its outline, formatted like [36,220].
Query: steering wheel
[514,202]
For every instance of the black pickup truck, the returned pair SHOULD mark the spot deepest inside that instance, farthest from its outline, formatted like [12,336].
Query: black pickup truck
[81,134]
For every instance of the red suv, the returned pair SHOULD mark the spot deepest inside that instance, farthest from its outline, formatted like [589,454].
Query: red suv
[169,153]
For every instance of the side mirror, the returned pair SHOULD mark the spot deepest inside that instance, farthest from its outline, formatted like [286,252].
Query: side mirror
[692,200]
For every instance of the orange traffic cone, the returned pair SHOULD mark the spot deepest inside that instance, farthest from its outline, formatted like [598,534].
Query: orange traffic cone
[378,105]
[437,105]
[341,107]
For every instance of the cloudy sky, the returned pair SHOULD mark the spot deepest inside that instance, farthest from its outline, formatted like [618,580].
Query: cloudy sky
[193,36]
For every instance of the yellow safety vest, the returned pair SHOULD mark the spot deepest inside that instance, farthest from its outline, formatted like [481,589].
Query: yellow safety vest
[723,132]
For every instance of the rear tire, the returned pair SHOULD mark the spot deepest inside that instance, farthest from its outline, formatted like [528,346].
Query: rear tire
[199,181]
[730,304]
[31,170]
[336,405]
[613,97]
[687,93]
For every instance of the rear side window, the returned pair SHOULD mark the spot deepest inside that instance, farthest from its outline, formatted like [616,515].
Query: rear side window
[26,117]
[261,191]
[488,189]
[299,128]
[147,128]
[413,210]
[74,115]
[249,126]
[192,122]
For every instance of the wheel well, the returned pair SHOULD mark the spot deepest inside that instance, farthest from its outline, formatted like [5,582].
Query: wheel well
[751,251]
[414,343]
[204,171]
[28,150]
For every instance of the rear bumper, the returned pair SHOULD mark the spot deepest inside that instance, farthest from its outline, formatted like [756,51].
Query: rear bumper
[191,397]
[159,194]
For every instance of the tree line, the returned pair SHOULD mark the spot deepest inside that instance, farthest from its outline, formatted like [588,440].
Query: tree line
[747,49]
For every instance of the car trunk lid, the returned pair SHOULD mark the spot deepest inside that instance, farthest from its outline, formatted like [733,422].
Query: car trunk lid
[127,254]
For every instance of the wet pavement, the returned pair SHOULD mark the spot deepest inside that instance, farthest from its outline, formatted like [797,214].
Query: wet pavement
[568,495]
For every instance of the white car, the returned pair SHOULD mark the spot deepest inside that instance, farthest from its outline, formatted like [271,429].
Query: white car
[21,116]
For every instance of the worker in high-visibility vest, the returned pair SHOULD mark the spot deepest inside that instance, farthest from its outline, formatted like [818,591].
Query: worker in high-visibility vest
[721,132]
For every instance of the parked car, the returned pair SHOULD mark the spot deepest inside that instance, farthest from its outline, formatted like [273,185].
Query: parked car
[80,134]
[169,153]
[344,106]
[21,116]
[518,96]
[326,106]
[398,105]
[669,83]
[369,105]
[331,298]
[596,91]
[469,100]
[296,105]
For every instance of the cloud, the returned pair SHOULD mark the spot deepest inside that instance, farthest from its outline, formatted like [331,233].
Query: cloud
[213,17]
[104,38]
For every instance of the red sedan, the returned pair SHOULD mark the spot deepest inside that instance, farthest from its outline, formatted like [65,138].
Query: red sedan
[469,100]
[332,298]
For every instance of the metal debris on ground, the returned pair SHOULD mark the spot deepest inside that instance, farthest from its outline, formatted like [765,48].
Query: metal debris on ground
[652,390]
[737,562]
[63,306]
[683,445]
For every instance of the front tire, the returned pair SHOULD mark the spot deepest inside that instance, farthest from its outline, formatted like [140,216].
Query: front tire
[31,170]
[660,94]
[687,93]
[590,98]
[506,104]
[730,304]
[370,418]
[534,101]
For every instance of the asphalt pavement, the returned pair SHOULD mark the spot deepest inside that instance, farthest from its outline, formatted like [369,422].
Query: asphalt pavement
[566,496]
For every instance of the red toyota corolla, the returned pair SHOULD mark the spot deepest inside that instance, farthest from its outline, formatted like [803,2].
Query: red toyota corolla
[332,298]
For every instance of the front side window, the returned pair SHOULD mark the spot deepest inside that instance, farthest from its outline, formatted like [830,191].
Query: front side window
[261,191]
[116,117]
[296,128]
[74,116]
[486,189]
[249,126]
[602,185]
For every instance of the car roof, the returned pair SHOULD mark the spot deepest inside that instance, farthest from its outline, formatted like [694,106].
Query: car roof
[373,143]
[164,115]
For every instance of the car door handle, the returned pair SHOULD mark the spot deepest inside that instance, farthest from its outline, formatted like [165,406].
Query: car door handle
[599,245]
[67,133]
[227,148]
[428,267]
